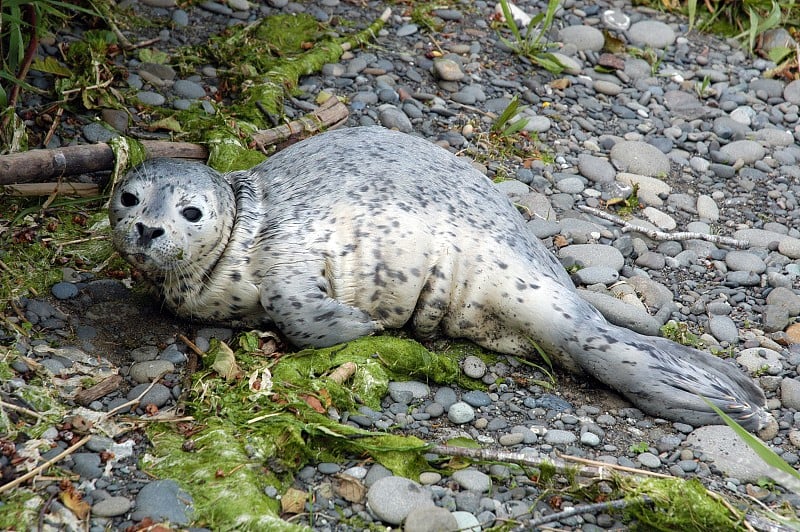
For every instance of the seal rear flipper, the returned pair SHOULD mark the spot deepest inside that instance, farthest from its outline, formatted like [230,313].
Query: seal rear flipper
[670,380]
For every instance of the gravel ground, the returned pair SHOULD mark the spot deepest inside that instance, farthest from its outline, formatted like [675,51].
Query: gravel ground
[711,146]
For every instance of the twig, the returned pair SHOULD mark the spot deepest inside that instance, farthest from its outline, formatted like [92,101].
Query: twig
[22,410]
[35,471]
[134,401]
[329,115]
[624,469]
[588,509]
[83,190]
[518,458]
[53,126]
[662,235]
[193,346]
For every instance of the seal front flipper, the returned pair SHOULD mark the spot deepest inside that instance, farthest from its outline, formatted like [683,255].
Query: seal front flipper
[299,305]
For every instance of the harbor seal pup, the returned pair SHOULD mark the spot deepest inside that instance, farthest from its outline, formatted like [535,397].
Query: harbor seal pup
[359,230]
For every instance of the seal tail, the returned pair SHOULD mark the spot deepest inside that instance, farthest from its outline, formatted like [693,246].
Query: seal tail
[665,378]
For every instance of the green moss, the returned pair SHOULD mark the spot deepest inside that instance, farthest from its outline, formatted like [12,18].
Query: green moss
[44,238]
[679,505]
[250,439]
[19,510]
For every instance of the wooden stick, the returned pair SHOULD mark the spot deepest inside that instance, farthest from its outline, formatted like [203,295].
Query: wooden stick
[101,389]
[661,235]
[21,410]
[83,190]
[33,472]
[37,166]
[329,115]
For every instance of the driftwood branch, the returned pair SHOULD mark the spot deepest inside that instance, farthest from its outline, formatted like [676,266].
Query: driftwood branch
[661,235]
[83,190]
[101,389]
[592,469]
[39,166]
[329,115]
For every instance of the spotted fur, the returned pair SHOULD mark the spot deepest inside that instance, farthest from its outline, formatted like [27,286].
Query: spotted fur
[358,230]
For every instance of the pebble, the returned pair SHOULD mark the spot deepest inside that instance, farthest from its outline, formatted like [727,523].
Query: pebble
[163,500]
[652,33]
[473,480]
[112,507]
[429,519]
[559,437]
[473,367]
[637,157]
[150,370]
[64,290]
[460,413]
[392,498]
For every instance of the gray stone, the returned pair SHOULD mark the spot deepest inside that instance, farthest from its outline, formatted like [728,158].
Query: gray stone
[460,413]
[649,460]
[391,499]
[640,158]
[188,89]
[559,437]
[393,118]
[64,291]
[651,33]
[158,395]
[729,453]
[748,151]
[164,500]
[473,480]
[112,507]
[473,367]
[744,261]
[419,390]
[587,255]
[87,465]
[759,359]
[582,37]
[429,519]
[150,370]
[595,168]
[790,393]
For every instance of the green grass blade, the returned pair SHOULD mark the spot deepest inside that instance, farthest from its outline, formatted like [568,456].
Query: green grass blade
[510,22]
[760,448]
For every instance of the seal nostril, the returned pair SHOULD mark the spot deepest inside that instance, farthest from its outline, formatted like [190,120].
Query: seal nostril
[147,234]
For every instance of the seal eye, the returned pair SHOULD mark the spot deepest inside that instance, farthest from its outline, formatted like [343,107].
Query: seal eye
[192,214]
[128,199]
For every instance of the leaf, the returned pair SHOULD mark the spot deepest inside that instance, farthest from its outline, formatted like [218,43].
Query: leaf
[146,55]
[49,65]
[779,53]
[293,501]
[249,341]
[225,363]
[73,500]
[171,124]
[349,488]
[314,403]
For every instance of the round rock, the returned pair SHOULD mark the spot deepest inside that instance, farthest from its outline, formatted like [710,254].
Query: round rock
[392,498]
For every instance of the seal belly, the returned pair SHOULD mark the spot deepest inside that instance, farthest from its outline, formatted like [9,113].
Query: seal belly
[385,273]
